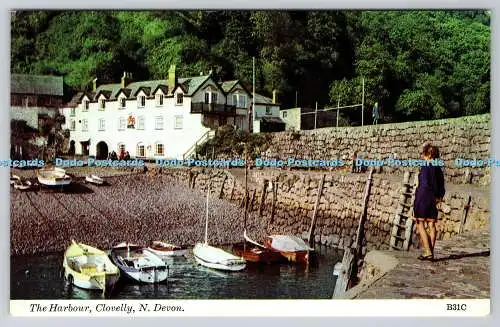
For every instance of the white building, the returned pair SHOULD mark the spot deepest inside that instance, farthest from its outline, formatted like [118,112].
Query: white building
[150,119]
[266,117]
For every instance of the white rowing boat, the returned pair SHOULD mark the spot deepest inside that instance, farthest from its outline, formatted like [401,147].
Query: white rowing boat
[14,179]
[22,185]
[53,177]
[94,179]
[163,249]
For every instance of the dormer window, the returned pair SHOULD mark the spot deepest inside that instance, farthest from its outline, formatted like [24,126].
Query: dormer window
[103,104]
[73,112]
[240,100]
[210,97]
[180,99]
[123,102]
[85,105]
[141,101]
[159,100]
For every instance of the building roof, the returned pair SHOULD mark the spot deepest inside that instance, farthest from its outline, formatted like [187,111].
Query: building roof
[37,84]
[228,85]
[260,99]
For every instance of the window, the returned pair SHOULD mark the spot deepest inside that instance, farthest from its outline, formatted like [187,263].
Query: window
[140,122]
[85,105]
[123,103]
[103,104]
[268,110]
[284,114]
[73,125]
[159,100]
[210,97]
[178,122]
[141,150]
[85,125]
[180,98]
[141,101]
[121,123]
[102,124]
[159,122]
[159,149]
[73,111]
[240,100]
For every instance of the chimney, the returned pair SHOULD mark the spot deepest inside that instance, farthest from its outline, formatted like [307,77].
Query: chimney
[172,79]
[94,84]
[126,79]
[274,96]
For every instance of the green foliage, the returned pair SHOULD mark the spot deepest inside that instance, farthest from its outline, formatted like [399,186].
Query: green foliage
[228,141]
[416,64]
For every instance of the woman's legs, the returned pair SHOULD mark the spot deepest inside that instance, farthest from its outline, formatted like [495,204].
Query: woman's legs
[432,234]
[424,238]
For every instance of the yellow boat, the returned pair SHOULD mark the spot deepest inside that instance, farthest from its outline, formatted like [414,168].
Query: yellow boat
[89,268]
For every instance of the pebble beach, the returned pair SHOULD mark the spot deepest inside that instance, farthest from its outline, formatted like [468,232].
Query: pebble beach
[133,207]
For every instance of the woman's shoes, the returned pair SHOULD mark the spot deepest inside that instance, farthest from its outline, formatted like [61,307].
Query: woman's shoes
[429,257]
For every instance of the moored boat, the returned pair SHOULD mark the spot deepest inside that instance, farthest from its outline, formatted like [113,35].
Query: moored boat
[53,177]
[215,258]
[164,249]
[14,179]
[252,253]
[291,247]
[23,185]
[94,179]
[89,268]
[139,263]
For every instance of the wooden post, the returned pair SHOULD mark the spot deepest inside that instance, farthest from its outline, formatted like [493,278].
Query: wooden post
[262,197]
[275,198]
[464,215]
[252,200]
[221,192]
[349,261]
[315,213]
[362,219]
[232,189]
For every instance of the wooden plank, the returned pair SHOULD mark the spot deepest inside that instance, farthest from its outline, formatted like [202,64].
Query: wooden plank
[221,191]
[362,219]
[232,189]
[310,238]
[262,197]
[464,215]
[275,198]
[345,274]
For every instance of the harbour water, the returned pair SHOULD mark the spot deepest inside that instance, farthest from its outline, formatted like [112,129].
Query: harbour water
[39,277]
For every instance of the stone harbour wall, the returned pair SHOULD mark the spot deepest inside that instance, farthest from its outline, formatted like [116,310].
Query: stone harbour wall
[465,137]
[294,196]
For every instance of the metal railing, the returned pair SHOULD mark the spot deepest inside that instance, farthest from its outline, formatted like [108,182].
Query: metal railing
[204,138]
[212,108]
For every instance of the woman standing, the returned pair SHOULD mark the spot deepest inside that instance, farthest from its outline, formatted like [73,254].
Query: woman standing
[430,191]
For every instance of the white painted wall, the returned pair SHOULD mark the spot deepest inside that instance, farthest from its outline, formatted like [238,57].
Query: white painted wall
[176,141]
[291,117]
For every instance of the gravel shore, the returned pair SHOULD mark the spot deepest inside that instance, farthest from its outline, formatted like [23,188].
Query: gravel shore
[134,207]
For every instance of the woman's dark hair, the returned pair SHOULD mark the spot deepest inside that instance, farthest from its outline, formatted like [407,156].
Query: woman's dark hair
[430,151]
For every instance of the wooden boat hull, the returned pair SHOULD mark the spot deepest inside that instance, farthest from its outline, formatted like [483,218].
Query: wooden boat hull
[149,269]
[255,254]
[216,258]
[165,250]
[23,186]
[291,256]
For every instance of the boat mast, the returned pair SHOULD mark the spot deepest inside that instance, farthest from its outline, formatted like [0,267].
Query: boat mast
[246,200]
[206,219]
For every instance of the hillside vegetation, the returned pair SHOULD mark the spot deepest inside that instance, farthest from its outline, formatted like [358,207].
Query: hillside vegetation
[416,64]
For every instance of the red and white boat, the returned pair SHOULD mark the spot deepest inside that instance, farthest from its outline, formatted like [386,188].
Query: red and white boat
[291,247]
[163,249]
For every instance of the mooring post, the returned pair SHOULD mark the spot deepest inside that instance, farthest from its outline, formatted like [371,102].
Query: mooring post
[315,213]
[263,197]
